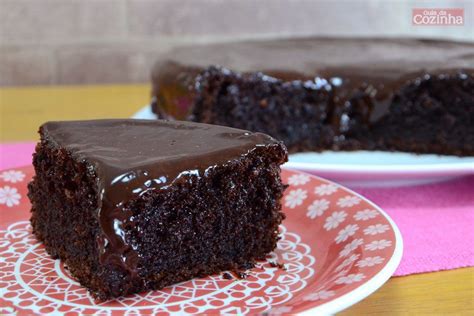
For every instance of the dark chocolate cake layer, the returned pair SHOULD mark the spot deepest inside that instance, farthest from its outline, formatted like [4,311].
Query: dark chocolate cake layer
[320,93]
[133,205]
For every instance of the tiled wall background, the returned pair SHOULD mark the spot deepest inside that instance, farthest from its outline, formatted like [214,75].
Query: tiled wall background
[116,41]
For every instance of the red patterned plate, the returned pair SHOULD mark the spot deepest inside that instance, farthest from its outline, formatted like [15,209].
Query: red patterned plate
[336,246]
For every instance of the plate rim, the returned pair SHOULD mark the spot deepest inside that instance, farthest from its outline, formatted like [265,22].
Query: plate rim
[366,289]
[456,168]
[432,168]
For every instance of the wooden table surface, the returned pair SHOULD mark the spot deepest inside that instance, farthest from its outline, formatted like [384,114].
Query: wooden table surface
[22,110]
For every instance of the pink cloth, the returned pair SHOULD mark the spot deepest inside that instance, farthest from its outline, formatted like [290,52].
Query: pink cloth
[436,220]
[15,154]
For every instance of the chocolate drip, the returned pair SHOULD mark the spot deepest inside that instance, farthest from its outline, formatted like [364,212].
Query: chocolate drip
[132,157]
[363,74]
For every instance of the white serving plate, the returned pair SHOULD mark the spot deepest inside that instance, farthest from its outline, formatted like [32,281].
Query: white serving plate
[372,168]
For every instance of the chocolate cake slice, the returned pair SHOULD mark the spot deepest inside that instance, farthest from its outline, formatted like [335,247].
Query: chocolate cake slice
[135,205]
[328,93]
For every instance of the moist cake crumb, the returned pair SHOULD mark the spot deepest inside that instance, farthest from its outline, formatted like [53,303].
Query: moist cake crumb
[412,95]
[137,205]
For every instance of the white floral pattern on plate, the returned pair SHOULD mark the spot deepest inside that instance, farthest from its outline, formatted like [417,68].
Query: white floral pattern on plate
[376,229]
[321,295]
[12,176]
[325,189]
[378,245]
[348,231]
[365,215]
[351,278]
[298,179]
[361,239]
[9,196]
[348,201]
[353,245]
[334,220]
[317,208]
[295,198]
[369,261]
[42,278]
[348,262]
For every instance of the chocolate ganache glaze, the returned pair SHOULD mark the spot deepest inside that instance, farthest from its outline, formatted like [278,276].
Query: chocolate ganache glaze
[344,64]
[131,157]
[360,79]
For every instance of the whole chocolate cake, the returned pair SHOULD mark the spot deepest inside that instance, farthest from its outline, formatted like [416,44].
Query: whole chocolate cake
[320,93]
[133,205]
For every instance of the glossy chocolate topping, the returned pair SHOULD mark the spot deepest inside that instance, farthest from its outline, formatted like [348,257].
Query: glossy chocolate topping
[131,157]
[377,68]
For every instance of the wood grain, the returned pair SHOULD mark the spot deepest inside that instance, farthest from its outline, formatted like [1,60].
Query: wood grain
[22,110]
[437,293]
